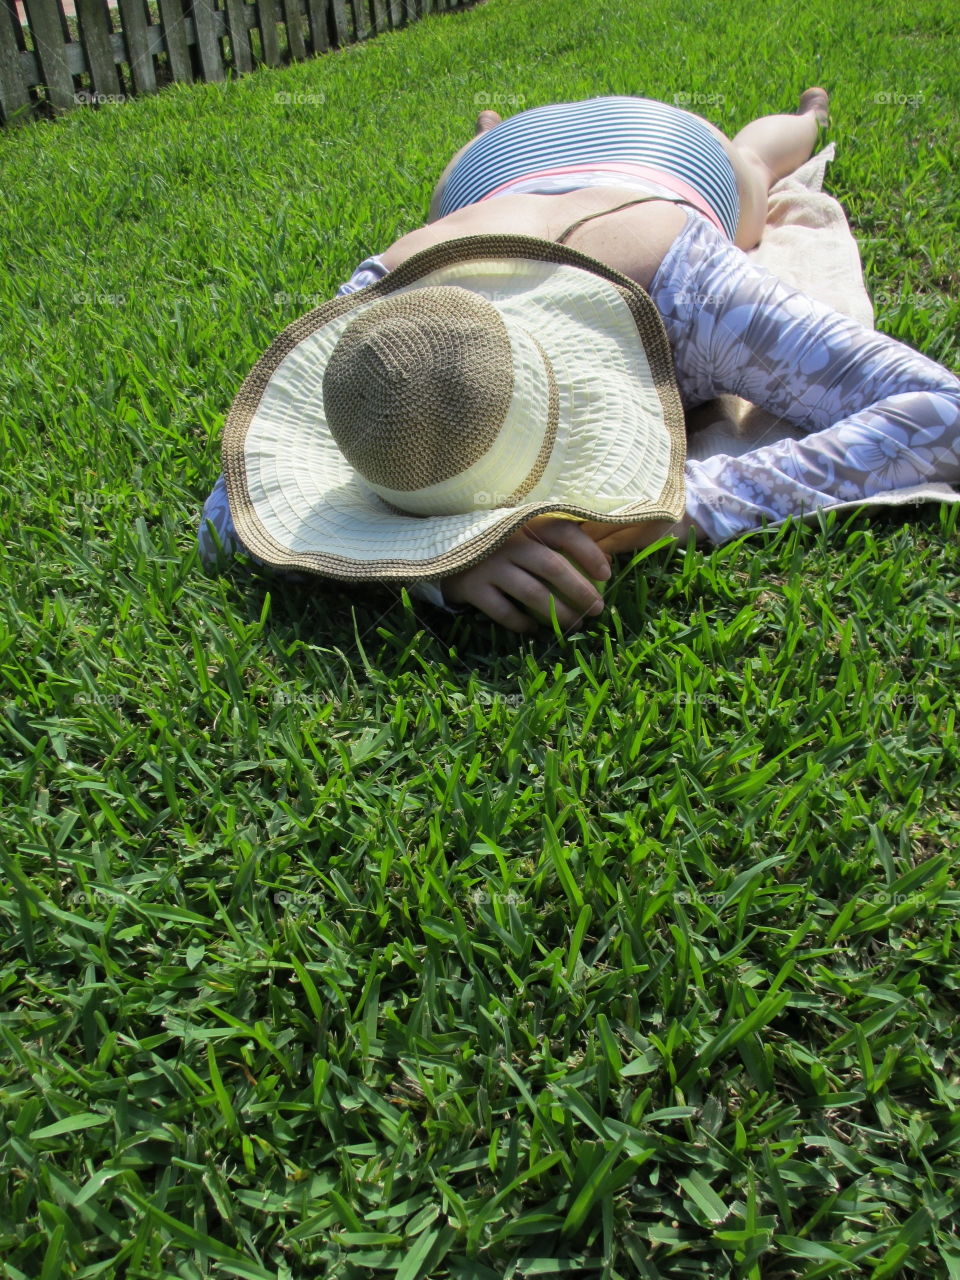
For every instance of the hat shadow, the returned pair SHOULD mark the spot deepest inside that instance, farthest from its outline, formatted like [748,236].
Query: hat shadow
[328,615]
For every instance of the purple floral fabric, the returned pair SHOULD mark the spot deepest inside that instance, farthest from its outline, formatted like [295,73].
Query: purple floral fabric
[879,415]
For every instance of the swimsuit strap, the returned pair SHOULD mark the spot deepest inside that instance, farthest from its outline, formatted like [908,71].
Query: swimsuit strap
[625,205]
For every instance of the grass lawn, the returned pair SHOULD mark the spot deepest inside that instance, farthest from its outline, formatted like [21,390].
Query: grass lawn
[343,938]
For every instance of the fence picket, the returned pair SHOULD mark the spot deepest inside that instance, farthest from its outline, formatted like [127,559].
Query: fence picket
[175,38]
[239,34]
[340,24]
[319,31]
[204,16]
[14,97]
[269,17]
[293,19]
[97,46]
[133,18]
[43,18]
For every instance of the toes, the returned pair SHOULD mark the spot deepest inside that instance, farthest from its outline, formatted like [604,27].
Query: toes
[816,100]
[486,120]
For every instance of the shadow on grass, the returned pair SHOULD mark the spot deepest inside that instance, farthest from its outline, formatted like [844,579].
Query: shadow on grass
[327,613]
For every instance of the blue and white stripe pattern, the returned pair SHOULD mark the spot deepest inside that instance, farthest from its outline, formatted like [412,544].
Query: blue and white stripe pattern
[609,130]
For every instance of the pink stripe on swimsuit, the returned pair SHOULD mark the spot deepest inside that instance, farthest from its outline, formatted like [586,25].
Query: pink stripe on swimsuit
[643,178]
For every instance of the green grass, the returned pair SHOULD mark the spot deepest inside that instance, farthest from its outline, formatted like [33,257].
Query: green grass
[344,938]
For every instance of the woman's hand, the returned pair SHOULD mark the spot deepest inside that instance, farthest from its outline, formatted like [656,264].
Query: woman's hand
[530,567]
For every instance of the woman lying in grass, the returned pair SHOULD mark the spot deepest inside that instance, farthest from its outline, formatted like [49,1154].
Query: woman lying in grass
[505,387]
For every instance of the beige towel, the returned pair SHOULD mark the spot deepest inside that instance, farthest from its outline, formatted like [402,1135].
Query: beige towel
[808,244]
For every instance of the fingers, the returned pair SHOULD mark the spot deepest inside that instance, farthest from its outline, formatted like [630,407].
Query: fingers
[531,569]
[497,587]
[569,537]
[573,597]
[501,609]
[562,575]
[525,574]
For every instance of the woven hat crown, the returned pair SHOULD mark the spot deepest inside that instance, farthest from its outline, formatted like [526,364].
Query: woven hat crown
[417,388]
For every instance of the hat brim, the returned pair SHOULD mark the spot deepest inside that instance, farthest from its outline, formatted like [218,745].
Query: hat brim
[295,501]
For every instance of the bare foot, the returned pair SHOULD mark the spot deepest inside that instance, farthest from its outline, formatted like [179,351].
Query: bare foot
[818,101]
[486,120]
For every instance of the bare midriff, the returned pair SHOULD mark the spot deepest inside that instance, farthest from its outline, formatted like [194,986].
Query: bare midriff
[633,241]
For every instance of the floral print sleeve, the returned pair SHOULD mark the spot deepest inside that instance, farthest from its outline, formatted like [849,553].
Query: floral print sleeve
[878,415]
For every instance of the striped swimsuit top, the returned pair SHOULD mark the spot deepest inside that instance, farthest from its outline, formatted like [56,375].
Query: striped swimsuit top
[617,141]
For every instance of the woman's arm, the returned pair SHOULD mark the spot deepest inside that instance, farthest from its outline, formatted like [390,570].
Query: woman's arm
[880,415]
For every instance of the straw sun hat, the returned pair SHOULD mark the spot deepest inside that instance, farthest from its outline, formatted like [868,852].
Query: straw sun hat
[406,430]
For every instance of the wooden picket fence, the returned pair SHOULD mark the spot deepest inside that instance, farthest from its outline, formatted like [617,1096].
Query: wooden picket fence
[50,63]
